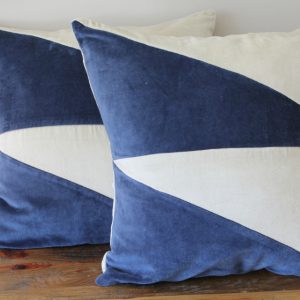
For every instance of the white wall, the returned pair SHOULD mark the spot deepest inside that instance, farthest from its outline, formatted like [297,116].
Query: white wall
[234,16]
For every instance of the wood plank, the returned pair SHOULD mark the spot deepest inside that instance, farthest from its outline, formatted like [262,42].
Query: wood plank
[71,272]
[77,294]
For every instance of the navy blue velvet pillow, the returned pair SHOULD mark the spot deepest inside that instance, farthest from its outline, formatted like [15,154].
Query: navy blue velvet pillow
[206,159]
[51,135]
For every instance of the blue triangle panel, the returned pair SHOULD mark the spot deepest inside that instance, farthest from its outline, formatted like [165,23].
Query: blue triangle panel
[175,103]
[157,237]
[38,209]
[42,83]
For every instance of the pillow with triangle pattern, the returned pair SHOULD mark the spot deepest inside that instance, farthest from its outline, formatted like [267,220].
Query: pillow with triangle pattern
[205,138]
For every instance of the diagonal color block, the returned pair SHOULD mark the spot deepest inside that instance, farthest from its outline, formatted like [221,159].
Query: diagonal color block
[38,198]
[264,181]
[194,105]
[181,236]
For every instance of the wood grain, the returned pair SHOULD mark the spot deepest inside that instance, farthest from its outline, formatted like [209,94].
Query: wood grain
[69,273]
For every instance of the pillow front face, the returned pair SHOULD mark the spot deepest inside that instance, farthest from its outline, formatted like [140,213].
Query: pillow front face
[50,194]
[55,163]
[205,137]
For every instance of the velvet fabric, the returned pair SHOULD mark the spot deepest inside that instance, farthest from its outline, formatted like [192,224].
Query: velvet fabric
[39,209]
[42,83]
[157,102]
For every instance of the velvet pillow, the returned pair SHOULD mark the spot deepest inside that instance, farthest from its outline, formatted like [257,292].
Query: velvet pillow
[55,162]
[205,138]
[49,123]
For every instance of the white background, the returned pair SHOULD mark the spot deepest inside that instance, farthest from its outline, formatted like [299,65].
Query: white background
[234,16]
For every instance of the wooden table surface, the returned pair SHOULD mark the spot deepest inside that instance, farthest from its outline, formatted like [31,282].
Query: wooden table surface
[69,273]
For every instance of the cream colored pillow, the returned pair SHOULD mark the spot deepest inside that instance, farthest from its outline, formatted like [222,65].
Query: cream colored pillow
[198,24]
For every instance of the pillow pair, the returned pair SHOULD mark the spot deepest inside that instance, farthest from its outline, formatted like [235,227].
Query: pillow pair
[55,162]
[205,140]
